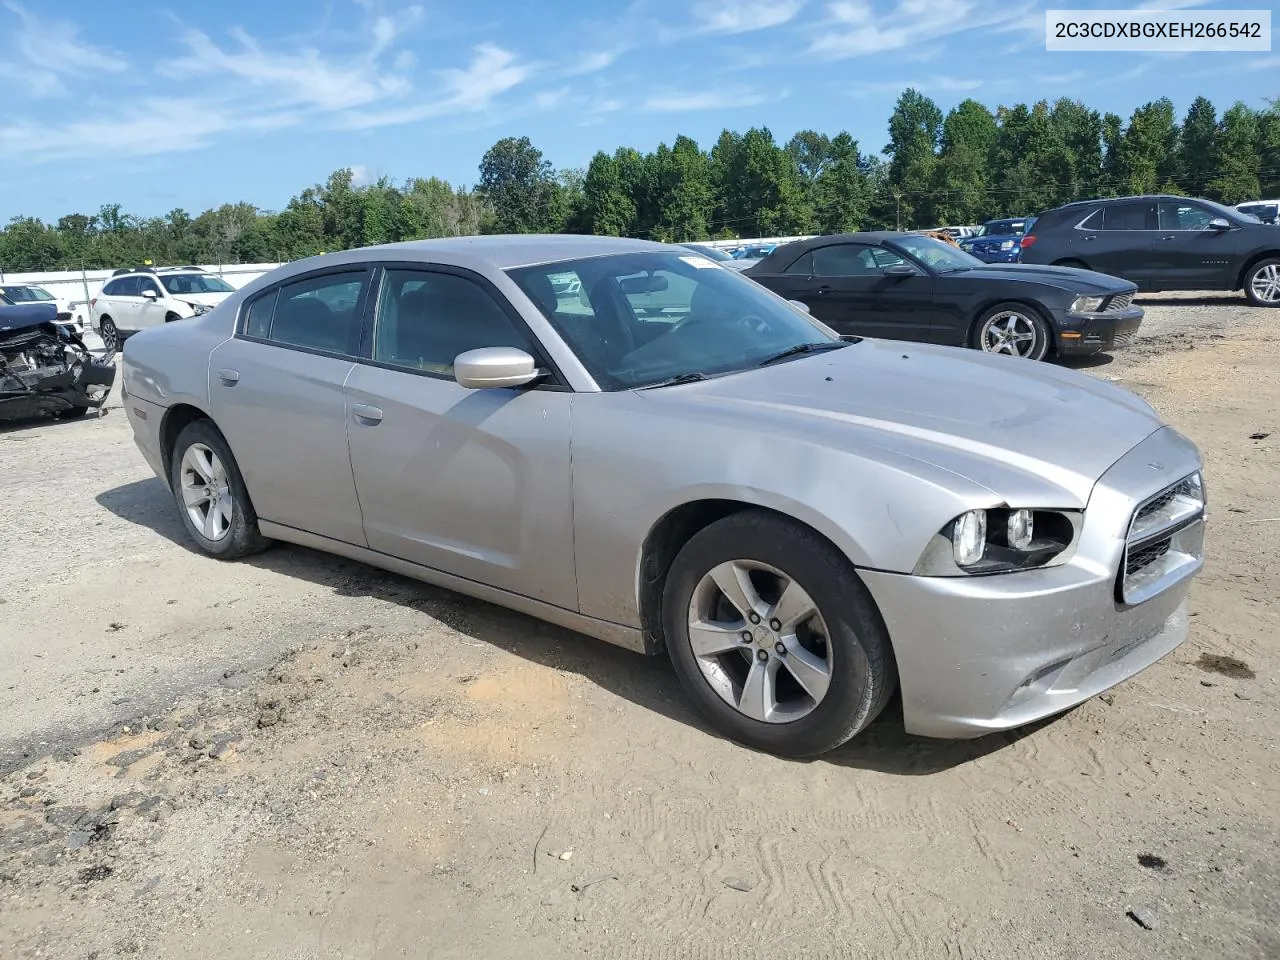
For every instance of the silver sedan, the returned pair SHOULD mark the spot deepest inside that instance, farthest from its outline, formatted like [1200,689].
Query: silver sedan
[627,439]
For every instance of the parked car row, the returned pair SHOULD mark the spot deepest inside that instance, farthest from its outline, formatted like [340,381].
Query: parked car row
[998,241]
[465,414]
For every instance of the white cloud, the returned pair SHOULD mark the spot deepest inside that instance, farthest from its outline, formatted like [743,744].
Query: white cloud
[854,30]
[546,99]
[360,175]
[595,62]
[39,52]
[1262,63]
[938,84]
[1168,4]
[744,16]
[492,72]
[681,101]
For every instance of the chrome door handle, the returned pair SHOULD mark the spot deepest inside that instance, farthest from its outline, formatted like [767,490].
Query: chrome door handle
[229,377]
[366,414]
[1090,237]
[1169,237]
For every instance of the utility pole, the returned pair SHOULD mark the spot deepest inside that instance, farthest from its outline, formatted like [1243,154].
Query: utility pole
[898,199]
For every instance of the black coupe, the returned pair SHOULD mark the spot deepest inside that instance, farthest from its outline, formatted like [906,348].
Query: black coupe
[904,286]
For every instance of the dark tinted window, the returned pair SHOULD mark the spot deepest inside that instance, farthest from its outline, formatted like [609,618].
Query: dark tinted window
[1140,215]
[803,266]
[1093,221]
[1176,215]
[843,260]
[426,319]
[319,312]
[258,321]
[126,287]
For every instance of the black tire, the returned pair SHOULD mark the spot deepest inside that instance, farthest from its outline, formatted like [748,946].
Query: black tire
[72,413]
[1044,341]
[862,676]
[242,537]
[110,335]
[1267,265]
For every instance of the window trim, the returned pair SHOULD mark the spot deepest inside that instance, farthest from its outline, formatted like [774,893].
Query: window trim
[1131,203]
[555,379]
[357,315]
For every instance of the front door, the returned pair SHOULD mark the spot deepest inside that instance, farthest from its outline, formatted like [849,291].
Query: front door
[277,395]
[852,293]
[475,483]
[1188,254]
[150,310]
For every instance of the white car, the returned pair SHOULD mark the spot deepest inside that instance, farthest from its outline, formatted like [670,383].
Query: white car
[1268,211]
[19,293]
[144,298]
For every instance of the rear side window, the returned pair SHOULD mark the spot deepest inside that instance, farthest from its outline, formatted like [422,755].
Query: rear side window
[318,313]
[802,267]
[844,260]
[1130,216]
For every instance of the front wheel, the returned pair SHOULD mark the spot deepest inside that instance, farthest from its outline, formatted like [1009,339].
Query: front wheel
[211,494]
[774,637]
[1013,329]
[1262,283]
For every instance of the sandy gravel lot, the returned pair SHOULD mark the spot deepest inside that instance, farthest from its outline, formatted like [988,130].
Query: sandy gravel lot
[301,757]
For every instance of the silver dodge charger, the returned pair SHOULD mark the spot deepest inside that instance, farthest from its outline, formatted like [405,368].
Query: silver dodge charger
[627,439]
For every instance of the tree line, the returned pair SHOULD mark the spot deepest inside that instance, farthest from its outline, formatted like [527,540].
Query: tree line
[968,165]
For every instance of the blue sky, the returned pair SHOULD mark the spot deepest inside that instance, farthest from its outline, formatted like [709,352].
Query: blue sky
[158,107]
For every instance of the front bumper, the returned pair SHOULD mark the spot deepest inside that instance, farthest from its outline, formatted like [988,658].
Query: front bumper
[87,387]
[980,654]
[1087,333]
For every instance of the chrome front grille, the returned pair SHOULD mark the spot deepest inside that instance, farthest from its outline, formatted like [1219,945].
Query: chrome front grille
[1119,301]
[1165,542]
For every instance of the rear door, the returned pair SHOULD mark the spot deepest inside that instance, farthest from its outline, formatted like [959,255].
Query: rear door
[277,390]
[1118,239]
[1188,254]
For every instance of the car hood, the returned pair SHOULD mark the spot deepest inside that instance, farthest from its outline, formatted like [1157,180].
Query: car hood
[1068,278]
[21,316]
[1010,425]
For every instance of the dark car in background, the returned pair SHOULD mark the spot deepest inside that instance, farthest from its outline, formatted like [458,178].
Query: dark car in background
[998,241]
[904,286]
[1162,243]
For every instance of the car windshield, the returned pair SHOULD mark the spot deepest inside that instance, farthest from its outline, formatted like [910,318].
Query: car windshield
[936,255]
[192,283]
[1008,228]
[640,319]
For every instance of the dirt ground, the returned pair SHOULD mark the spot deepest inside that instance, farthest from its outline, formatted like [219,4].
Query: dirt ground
[300,757]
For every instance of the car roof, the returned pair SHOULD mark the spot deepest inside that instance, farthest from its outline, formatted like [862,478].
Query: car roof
[518,249]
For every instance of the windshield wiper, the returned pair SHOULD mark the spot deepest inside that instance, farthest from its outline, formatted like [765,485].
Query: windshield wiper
[800,348]
[677,380]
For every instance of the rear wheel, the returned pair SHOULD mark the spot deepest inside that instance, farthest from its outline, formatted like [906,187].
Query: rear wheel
[1013,329]
[1262,283]
[110,336]
[774,637]
[211,494]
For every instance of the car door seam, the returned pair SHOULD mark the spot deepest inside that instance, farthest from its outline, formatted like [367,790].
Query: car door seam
[346,435]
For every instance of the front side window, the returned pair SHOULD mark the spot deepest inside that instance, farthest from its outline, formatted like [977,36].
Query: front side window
[145,284]
[1129,216]
[195,283]
[1183,216]
[426,319]
[844,260]
[318,313]
[39,293]
[936,255]
[644,318]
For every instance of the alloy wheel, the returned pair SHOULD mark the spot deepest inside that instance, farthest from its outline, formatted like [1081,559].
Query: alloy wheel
[1009,332]
[110,339]
[1265,283]
[206,492]
[760,641]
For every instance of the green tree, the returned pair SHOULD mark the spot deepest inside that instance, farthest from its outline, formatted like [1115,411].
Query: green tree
[842,191]
[1238,159]
[964,164]
[1198,147]
[1147,152]
[519,186]
[915,127]
[683,194]
[609,208]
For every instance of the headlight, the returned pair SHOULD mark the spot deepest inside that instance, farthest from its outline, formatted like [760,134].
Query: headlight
[1000,541]
[1006,245]
[200,309]
[1087,304]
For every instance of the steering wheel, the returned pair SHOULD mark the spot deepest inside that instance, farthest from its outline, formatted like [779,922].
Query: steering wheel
[752,321]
